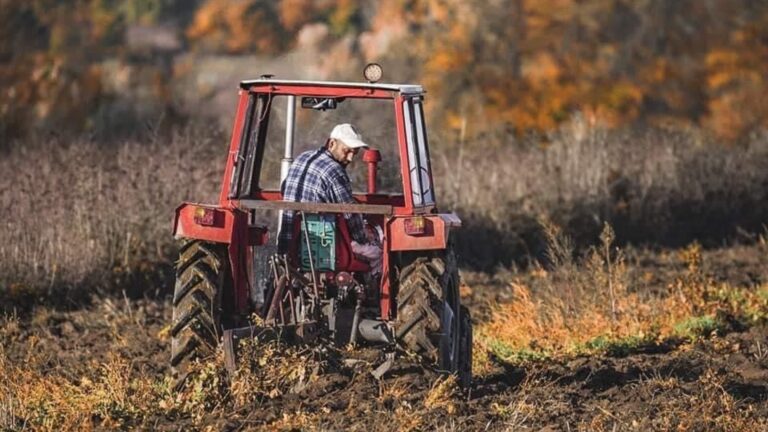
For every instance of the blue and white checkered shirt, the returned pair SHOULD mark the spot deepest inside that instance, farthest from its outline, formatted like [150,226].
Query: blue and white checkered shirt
[315,176]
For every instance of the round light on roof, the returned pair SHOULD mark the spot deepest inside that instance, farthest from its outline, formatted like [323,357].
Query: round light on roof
[372,72]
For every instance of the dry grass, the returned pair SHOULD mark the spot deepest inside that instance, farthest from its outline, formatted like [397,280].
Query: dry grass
[119,387]
[653,186]
[78,211]
[594,306]
[112,393]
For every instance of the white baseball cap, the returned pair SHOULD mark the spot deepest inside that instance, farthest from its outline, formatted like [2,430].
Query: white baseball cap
[347,134]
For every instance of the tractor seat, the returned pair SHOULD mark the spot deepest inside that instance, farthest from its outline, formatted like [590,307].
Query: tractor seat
[330,244]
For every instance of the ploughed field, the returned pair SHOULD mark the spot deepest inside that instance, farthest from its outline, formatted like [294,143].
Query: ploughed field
[105,365]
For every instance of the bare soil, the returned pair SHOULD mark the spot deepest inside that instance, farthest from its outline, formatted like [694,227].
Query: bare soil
[658,387]
[716,383]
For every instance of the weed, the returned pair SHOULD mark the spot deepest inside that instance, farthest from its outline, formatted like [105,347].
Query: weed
[616,347]
[442,395]
[696,327]
[509,354]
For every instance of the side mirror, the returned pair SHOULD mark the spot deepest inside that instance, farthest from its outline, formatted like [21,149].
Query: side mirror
[320,104]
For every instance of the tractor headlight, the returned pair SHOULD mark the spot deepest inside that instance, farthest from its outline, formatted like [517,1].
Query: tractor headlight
[372,72]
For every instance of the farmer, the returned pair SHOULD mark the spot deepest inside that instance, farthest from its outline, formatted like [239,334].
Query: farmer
[320,176]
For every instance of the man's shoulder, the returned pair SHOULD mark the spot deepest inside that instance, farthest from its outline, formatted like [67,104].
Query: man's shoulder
[305,156]
[319,162]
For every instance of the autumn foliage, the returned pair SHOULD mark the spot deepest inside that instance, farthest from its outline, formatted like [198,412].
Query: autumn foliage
[517,65]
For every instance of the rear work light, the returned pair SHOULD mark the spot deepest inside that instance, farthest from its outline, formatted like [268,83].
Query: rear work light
[204,216]
[415,225]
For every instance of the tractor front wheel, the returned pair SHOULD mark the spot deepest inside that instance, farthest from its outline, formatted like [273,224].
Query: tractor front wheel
[201,274]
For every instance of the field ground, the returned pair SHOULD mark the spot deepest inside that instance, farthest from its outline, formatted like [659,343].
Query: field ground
[105,366]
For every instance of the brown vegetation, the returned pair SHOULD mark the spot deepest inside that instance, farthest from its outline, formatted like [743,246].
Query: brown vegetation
[78,211]
[653,186]
[80,214]
[571,351]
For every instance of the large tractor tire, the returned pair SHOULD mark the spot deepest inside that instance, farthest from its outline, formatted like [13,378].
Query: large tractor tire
[201,275]
[429,321]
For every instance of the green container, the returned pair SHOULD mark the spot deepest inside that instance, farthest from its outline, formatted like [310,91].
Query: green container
[321,231]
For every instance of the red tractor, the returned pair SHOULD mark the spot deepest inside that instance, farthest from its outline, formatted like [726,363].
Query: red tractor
[229,267]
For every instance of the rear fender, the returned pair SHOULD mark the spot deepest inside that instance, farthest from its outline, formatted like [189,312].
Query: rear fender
[220,230]
[435,237]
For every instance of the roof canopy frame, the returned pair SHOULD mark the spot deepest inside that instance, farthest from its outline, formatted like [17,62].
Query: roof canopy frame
[330,88]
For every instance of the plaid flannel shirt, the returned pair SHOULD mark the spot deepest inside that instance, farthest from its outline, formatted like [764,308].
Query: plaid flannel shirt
[315,176]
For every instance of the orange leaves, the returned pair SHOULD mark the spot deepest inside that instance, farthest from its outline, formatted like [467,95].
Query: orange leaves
[341,18]
[541,69]
[531,64]
[236,27]
[736,86]
[295,13]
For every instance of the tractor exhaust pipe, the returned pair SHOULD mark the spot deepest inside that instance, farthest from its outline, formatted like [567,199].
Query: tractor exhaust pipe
[372,158]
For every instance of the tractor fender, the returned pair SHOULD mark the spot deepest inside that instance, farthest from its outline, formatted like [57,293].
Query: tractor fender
[217,226]
[213,223]
[435,236]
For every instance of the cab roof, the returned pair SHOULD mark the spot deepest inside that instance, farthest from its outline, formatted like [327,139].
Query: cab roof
[402,88]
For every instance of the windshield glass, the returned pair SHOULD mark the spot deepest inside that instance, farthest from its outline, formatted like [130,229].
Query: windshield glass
[374,119]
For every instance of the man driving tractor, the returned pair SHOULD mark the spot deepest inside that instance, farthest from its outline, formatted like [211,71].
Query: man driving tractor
[320,176]
[322,286]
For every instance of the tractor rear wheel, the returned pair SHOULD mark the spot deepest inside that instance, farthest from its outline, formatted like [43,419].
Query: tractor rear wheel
[201,274]
[429,321]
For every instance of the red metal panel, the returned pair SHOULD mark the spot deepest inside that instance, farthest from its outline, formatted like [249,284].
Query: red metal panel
[327,91]
[385,297]
[220,232]
[435,235]
[239,261]
[234,143]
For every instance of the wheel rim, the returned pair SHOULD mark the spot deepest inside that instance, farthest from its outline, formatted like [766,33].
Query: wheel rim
[450,325]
